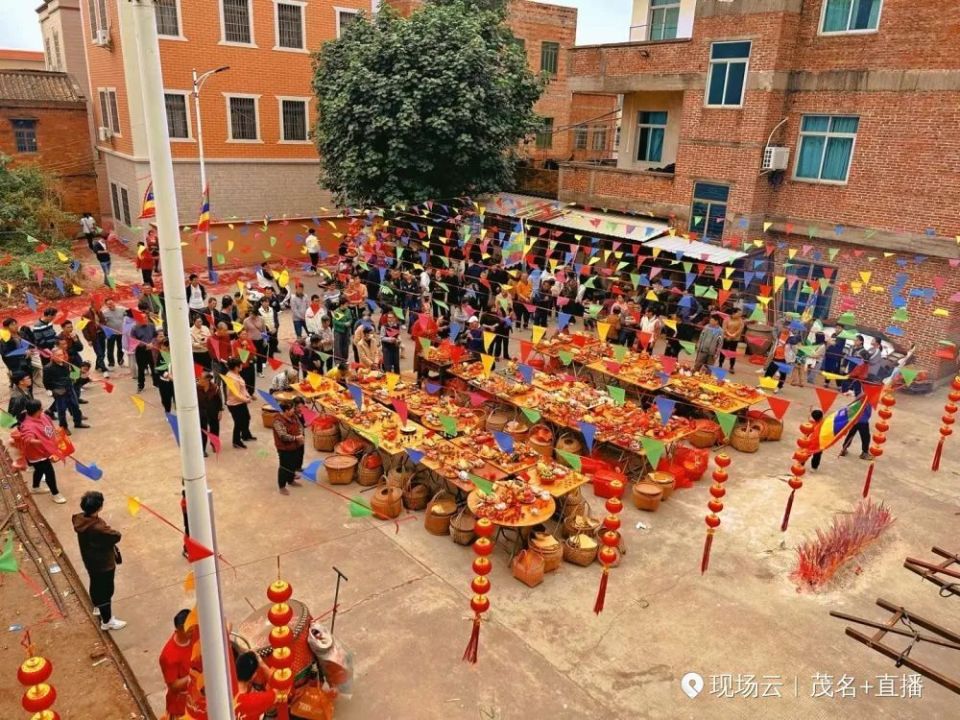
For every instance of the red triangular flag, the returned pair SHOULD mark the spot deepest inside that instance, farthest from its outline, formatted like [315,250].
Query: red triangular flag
[477,399]
[722,296]
[525,347]
[274,363]
[108,386]
[138,316]
[669,363]
[778,405]
[198,370]
[456,353]
[872,391]
[826,397]
[401,407]
[195,551]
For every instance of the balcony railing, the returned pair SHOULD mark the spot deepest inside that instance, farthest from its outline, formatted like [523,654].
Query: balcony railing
[604,186]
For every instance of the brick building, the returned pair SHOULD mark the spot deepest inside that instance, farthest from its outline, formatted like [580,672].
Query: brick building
[11,59]
[855,108]
[43,121]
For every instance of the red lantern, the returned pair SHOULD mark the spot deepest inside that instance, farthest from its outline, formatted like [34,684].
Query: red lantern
[482,566]
[887,401]
[281,657]
[479,604]
[279,591]
[613,505]
[480,585]
[712,521]
[34,670]
[715,506]
[717,491]
[611,522]
[483,547]
[280,614]
[484,528]
[617,488]
[800,458]
[610,540]
[38,698]
[282,680]
[607,556]
[281,637]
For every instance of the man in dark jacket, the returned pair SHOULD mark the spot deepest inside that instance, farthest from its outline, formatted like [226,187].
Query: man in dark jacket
[56,379]
[98,548]
[45,334]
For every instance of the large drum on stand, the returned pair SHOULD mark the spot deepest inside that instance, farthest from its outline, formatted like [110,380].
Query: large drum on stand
[253,633]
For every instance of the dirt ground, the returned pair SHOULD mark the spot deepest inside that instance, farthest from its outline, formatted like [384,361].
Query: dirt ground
[543,653]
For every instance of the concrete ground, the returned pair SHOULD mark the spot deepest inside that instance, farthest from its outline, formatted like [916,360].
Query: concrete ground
[543,652]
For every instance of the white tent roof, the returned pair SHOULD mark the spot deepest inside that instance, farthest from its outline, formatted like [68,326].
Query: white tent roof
[696,250]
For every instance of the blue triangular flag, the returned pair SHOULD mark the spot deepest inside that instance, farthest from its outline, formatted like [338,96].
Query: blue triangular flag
[310,471]
[589,431]
[665,406]
[31,302]
[563,319]
[108,332]
[718,372]
[269,399]
[357,394]
[785,368]
[91,471]
[213,276]
[526,371]
[61,288]
[175,426]
[372,305]
[455,329]
[433,388]
[504,440]
[415,455]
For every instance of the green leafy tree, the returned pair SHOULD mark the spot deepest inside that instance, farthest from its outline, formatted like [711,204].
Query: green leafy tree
[427,107]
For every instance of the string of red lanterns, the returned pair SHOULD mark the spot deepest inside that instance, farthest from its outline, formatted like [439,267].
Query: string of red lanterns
[39,696]
[799,460]
[280,660]
[717,492]
[887,401]
[610,539]
[947,420]
[479,603]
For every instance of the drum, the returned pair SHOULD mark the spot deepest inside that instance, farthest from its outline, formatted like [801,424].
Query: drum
[253,633]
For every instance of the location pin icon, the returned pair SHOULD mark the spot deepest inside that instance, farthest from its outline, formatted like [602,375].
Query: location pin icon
[691,684]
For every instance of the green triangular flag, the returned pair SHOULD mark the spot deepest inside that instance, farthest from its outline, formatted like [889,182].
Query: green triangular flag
[635,279]
[758,315]
[699,290]
[74,373]
[7,420]
[449,425]
[531,415]
[386,289]
[710,294]
[424,344]
[359,508]
[111,283]
[908,377]
[565,357]
[619,352]
[8,561]
[26,269]
[832,252]
[618,394]
[375,439]
[572,460]
[266,254]
[484,486]
[244,354]
[398,312]
[727,422]
[594,310]
[847,318]
[653,449]
[900,315]
[848,334]
[688,347]
[221,259]
[807,349]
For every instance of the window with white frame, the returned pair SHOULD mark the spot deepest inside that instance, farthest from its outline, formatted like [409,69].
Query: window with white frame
[243,118]
[109,113]
[664,19]
[168,17]
[290,26]
[826,147]
[344,18]
[120,199]
[651,131]
[293,120]
[599,137]
[99,20]
[178,117]
[850,16]
[728,73]
[580,135]
[236,17]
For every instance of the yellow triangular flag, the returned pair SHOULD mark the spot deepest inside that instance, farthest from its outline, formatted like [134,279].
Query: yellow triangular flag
[656,251]
[832,376]
[603,329]
[62,257]
[229,246]
[672,324]
[726,284]
[727,272]
[778,282]
[189,583]
[865,276]
[487,361]
[4,334]
[767,226]
[77,290]
[792,253]
[856,286]
[241,287]
[139,403]
[315,380]
[133,505]
[237,327]
[651,295]
[488,338]
[941,312]
[537,334]
[284,279]
[392,379]
[82,323]
[231,385]
[758,243]
[768,382]
[764,300]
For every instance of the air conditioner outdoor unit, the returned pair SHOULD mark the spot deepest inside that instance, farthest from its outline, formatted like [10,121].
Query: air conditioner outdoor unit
[775,158]
[103,37]
[104,133]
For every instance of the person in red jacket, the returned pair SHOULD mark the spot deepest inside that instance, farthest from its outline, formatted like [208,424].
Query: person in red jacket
[249,703]
[175,666]
[146,262]
[38,436]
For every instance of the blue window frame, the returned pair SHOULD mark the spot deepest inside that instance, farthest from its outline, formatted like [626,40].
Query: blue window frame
[651,129]
[826,147]
[850,16]
[709,209]
[728,73]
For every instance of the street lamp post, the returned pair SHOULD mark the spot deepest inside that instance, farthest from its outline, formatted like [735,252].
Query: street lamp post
[198,81]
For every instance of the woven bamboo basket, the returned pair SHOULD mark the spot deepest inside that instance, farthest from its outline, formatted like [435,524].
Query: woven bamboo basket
[340,469]
[647,496]
[387,501]
[440,509]
[325,439]
[498,419]
[746,438]
[541,440]
[703,437]
[552,558]
[568,442]
[663,480]
[268,415]
[371,469]
[415,494]
[772,428]
[517,429]
[462,525]
[581,523]
[574,553]
[575,504]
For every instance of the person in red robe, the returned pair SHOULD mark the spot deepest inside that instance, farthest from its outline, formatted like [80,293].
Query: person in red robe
[424,327]
[175,666]
[249,703]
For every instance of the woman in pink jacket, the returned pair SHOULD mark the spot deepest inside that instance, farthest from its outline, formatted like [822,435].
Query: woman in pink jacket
[39,438]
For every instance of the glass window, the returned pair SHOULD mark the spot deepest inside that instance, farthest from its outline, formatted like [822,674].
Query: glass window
[709,209]
[167,21]
[243,119]
[826,147]
[344,18]
[176,106]
[294,119]
[728,73]
[115,201]
[109,114]
[652,127]
[845,16]
[236,21]
[549,57]
[290,26]
[664,18]
[800,296]
[580,138]
[97,12]
[600,137]
[545,135]
[56,49]
[25,135]
[125,205]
